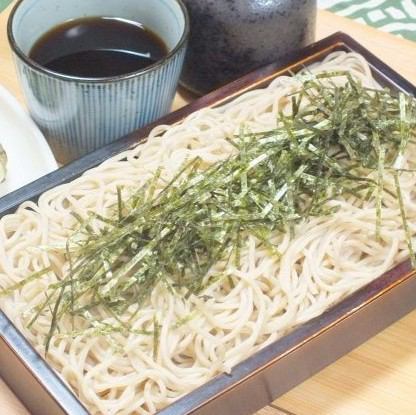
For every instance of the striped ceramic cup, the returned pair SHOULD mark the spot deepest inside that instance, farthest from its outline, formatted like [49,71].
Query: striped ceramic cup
[78,115]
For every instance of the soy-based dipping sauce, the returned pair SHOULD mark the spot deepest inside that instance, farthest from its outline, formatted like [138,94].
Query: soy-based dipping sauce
[97,47]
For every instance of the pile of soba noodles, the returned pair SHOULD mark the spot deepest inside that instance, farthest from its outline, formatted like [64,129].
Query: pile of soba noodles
[324,260]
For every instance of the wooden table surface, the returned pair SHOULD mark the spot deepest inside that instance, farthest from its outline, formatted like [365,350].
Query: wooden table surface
[378,378]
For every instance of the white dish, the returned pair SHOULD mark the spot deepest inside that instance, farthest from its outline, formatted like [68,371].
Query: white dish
[28,154]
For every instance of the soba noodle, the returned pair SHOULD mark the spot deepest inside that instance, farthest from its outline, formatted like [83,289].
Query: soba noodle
[328,258]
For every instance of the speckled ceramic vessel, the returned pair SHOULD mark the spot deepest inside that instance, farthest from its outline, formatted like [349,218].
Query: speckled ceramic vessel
[78,115]
[232,37]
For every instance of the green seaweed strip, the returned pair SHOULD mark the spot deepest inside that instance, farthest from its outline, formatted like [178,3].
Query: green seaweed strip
[33,277]
[156,337]
[380,188]
[71,277]
[404,220]
[119,204]
[54,321]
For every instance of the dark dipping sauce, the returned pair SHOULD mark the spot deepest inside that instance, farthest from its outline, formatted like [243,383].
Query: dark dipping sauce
[98,47]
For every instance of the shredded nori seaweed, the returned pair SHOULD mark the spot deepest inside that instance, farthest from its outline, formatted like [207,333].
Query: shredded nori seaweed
[335,137]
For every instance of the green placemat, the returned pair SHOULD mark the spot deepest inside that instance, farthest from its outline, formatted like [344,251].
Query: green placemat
[4,4]
[394,16]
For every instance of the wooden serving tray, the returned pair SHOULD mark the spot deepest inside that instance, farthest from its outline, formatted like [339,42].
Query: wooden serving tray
[278,367]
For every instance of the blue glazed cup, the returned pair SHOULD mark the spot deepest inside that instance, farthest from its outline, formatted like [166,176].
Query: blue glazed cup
[78,115]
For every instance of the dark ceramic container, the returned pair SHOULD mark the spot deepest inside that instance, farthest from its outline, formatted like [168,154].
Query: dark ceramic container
[232,37]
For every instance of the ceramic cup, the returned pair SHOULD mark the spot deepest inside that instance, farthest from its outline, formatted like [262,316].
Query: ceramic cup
[78,115]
